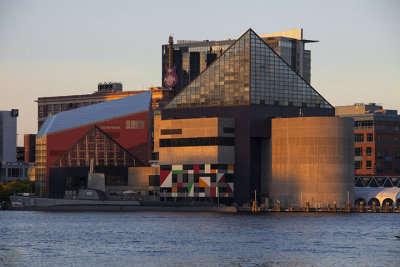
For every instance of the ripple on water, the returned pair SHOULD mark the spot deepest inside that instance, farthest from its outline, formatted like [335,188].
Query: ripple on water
[202,239]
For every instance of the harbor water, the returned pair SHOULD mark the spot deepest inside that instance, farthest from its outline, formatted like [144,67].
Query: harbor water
[32,238]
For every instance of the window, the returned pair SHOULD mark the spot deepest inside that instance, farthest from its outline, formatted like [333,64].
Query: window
[358,164]
[388,165]
[75,181]
[114,180]
[359,137]
[135,124]
[370,137]
[369,151]
[369,164]
[110,127]
[201,141]
[154,180]
[358,151]
[115,192]
[171,131]
[229,130]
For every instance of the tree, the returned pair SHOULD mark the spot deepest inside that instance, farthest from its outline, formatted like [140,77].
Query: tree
[16,186]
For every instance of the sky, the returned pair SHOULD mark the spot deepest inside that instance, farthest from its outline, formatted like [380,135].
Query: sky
[64,47]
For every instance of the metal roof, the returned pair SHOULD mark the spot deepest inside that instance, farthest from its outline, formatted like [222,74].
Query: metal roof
[95,113]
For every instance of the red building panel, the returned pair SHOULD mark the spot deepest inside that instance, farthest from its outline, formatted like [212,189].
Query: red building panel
[131,132]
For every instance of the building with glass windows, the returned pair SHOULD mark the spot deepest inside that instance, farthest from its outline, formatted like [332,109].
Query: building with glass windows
[10,168]
[113,135]
[250,84]
[376,144]
[196,158]
[48,106]
[192,57]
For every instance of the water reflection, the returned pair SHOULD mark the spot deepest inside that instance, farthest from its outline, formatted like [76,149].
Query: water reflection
[202,239]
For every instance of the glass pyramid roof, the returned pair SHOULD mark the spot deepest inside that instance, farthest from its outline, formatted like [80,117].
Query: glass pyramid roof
[249,72]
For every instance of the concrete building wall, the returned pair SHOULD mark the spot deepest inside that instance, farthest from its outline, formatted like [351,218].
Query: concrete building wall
[138,177]
[8,136]
[311,160]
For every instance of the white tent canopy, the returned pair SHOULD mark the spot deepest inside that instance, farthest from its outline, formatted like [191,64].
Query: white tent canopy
[129,192]
[380,193]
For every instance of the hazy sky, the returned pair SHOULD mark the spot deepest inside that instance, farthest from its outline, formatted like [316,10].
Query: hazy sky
[56,47]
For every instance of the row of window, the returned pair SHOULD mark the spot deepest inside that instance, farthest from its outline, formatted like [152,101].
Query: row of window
[358,151]
[135,124]
[110,127]
[171,131]
[179,131]
[358,164]
[359,137]
[201,141]
[385,137]
[81,181]
[52,109]
[196,190]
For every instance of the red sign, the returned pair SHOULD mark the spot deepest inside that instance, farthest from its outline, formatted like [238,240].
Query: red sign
[170,79]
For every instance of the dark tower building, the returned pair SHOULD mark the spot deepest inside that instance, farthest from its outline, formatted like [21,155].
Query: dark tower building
[30,147]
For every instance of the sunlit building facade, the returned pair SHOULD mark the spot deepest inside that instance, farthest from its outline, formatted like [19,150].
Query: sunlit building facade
[250,84]
[376,144]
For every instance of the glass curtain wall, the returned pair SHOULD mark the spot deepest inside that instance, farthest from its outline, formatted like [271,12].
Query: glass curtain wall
[249,72]
[225,82]
[274,82]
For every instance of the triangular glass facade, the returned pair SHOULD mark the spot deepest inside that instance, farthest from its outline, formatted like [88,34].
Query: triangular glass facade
[249,72]
[225,82]
[97,146]
[274,82]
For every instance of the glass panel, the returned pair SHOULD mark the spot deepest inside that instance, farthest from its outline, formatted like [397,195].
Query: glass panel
[224,82]
[273,81]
